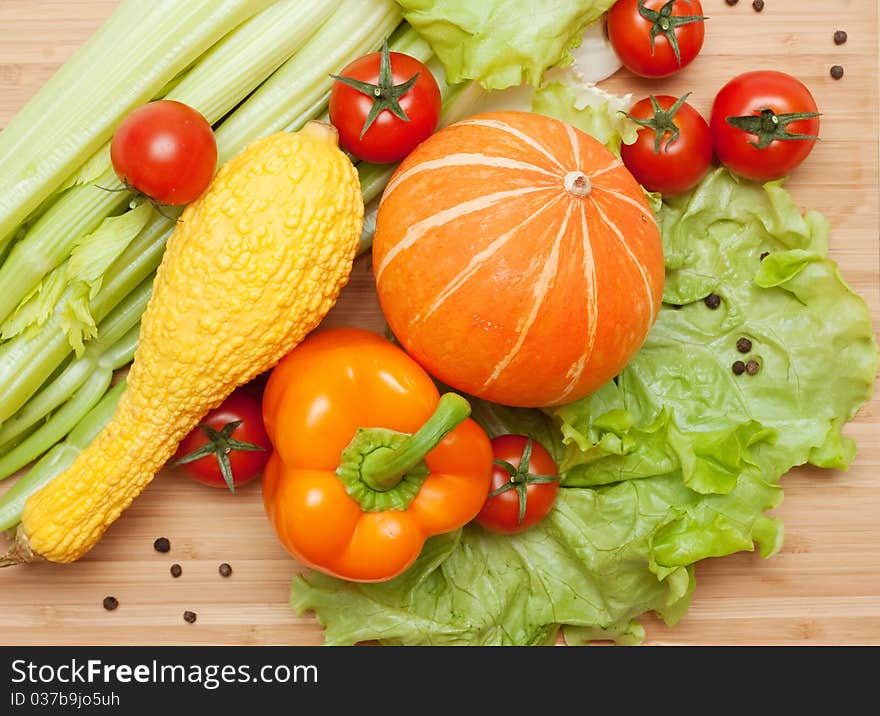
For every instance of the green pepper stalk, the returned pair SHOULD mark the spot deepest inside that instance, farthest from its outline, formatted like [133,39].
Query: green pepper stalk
[382,469]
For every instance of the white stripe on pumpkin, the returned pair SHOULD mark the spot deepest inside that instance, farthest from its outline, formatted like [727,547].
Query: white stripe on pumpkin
[592,294]
[619,234]
[629,200]
[465,160]
[441,218]
[478,261]
[522,136]
[542,288]
[575,146]
[610,168]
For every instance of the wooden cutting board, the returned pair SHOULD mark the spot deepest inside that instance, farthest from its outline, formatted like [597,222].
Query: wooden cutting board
[824,588]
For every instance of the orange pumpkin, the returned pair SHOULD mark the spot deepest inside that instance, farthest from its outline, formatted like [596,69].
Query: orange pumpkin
[517,259]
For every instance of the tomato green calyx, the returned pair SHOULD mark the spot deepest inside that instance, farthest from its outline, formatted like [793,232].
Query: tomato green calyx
[662,122]
[385,94]
[384,469]
[138,198]
[220,444]
[663,21]
[521,478]
[770,127]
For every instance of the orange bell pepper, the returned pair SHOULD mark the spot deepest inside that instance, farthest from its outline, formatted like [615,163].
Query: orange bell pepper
[369,460]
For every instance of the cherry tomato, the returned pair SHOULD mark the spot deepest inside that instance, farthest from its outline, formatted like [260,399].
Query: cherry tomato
[673,150]
[764,124]
[166,151]
[525,483]
[230,448]
[384,105]
[656,38]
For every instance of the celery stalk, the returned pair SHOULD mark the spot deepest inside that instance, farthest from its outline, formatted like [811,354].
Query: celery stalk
[58,459]
[144,44]
[113,349]
[301,86]
[38,442]
[27,362]
[223,77]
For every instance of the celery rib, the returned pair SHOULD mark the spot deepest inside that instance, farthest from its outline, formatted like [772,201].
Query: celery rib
[30,361]
[289,98]
[41,440]
[112,350]
[124,64]
[58,459]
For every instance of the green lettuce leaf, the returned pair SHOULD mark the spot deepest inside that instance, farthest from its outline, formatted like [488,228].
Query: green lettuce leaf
[502,43]
[69,289]
[676,460]
[590,109]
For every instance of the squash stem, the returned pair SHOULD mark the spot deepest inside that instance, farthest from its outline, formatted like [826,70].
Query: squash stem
[384,468]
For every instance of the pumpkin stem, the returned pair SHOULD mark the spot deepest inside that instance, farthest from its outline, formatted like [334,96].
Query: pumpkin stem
[578,184]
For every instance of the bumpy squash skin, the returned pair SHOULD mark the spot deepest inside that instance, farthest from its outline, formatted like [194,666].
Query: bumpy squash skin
[255,265]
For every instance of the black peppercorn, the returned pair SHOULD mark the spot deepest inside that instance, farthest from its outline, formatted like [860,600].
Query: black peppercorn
[758,5]
[744,345]
[752,367]
[764,255]
[839,37]
[189,617]
[162,545]
[837,72]
[110,603]
[176,570]
[738,368]
[225,570]
[713,300]
[732,2]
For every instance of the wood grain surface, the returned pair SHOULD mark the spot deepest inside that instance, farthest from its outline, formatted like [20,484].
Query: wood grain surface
[824,587]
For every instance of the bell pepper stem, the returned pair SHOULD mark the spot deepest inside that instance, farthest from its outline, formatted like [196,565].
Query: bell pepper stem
[383,469]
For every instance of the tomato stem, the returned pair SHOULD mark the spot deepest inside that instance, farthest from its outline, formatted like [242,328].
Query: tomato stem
[662,122]
[383,469]
[385,94]
[666,23]
[220,444]
[521,478]
[770,127]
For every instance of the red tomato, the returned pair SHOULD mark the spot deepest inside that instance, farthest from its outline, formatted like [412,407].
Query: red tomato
[525,483]
[656,38]
[230,440]
[764,124]
[165,150]
[673,151]
[384,105]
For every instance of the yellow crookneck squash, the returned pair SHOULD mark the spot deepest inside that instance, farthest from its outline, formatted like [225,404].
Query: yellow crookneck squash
[254,266]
